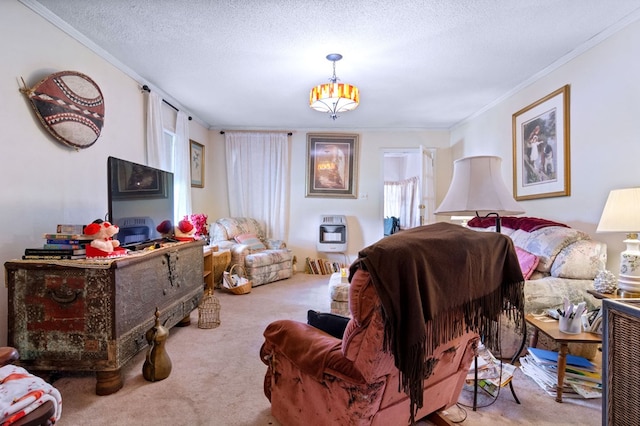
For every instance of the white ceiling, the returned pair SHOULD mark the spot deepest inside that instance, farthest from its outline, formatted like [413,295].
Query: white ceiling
[249,64]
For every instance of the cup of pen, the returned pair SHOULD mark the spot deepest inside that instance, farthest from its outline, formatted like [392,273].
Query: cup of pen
[570,320]
[570,324]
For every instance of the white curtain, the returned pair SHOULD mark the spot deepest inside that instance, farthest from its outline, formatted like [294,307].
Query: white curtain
[181,168]
[156,154]
[402,199]
[258,178]
[170,152]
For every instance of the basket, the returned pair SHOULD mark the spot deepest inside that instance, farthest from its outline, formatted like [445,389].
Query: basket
[236,283]
[209,311]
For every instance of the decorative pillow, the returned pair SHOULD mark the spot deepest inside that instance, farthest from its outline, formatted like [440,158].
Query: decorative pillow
[327,322]
[528,262]
[581,260]
[547,242]
[250,240]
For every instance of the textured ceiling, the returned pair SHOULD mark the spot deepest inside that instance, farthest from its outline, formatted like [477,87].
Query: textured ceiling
[249,64]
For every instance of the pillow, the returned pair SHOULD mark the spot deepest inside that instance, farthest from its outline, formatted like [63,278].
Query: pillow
[547,242]
[329,323]
[250,240]
[581,260]
[528,262]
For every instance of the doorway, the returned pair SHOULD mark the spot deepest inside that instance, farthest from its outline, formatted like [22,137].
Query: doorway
[408,186]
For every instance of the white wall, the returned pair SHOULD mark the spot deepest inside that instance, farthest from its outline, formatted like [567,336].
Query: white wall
[604,112]
[364,214]
[45,182]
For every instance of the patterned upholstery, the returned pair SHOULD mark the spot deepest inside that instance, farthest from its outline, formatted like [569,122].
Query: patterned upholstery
[339,294]
[262,266]
[568,262]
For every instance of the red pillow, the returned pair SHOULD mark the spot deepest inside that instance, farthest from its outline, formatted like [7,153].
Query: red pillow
[528,262]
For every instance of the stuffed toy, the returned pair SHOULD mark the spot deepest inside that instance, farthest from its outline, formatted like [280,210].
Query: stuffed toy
[165,229]
[103,245]
[185,231]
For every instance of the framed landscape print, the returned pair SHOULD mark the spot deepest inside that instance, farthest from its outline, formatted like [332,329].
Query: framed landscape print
[332,165]
[197,164]
[541,161]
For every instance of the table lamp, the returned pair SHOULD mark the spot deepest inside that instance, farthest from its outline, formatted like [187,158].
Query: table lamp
[622,214]
[477,189]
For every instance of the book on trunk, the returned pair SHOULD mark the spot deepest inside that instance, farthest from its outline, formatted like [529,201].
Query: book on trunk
[70,229]
[53,252]
[67,236]
[67,241]
[53,256]
[74,246]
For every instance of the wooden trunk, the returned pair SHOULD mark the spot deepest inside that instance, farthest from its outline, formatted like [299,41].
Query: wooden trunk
[92,315]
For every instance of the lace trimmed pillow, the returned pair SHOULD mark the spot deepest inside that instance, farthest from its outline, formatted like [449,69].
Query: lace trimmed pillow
[581,260]
[250,240]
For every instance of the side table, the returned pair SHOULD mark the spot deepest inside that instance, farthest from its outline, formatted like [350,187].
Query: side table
[601,296]
[221,260]
[551,329]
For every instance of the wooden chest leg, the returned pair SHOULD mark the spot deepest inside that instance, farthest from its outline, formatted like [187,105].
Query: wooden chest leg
[184,321]
[108,382]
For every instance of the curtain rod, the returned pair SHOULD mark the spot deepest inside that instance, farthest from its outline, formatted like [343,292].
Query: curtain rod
[261,131]
[148,89]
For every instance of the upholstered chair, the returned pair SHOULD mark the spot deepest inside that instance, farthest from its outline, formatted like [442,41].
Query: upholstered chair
[264,260]
[419,300]
[315,378]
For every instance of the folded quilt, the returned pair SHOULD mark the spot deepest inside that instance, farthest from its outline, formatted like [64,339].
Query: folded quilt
[528,224]
[22,392]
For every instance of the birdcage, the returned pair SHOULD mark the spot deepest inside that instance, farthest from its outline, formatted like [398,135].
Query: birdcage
[209,311]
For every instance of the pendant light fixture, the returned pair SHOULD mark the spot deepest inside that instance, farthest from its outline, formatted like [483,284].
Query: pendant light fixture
[334,97]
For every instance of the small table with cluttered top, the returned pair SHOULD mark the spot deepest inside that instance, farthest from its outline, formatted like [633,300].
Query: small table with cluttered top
[550,327]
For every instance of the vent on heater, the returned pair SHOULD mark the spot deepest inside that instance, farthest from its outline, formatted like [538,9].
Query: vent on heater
[332,236]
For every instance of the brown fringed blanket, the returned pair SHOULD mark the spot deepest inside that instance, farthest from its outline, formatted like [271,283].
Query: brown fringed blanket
[456,278]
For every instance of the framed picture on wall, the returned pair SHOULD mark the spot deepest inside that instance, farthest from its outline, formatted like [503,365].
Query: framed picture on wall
[332,165]
[197,164]
[541,161]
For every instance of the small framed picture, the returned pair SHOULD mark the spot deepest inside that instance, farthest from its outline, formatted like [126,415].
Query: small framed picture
[332,165]
[197,164]
[541,162]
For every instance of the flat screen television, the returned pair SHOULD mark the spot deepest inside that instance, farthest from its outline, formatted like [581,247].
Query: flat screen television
[140,198]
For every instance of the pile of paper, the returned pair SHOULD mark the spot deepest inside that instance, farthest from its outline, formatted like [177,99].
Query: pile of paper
[492,373]
[582,379]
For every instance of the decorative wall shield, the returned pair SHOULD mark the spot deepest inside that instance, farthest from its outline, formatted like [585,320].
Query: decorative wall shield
[70,106]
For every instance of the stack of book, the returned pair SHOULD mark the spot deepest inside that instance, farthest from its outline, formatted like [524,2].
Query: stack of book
[68,242]
[322,266]
[582,378]
[492,373]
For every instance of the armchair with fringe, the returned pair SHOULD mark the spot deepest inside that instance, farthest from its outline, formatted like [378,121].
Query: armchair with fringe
[419,300]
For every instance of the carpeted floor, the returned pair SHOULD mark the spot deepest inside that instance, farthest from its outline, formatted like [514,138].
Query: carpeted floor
[217,376]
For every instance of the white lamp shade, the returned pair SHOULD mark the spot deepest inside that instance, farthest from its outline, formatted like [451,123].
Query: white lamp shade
[621,212]
[477,187]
